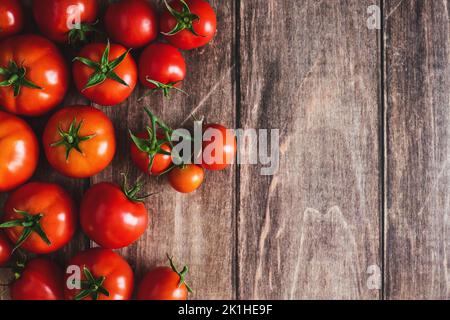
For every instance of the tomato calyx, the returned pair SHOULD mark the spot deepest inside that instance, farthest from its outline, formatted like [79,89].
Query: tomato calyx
[164,87]
[182,274]
[71,138]
[79,35]
[185,19]
[131,192]
[15,77]
[91,286]
[153,146]
[30,224]
[103,69]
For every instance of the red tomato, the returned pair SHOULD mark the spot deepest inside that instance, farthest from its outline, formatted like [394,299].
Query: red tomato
[33,77]
[190,25]
[219,147]
[5,249]
[79,141]
[57,19]
[39,217]
[108,276]
[113,217]
[141,155]
[132,23]
[164,283]
[19,152]
[105,74]
[186,178]
[39,279]
[11,18]
[161,66]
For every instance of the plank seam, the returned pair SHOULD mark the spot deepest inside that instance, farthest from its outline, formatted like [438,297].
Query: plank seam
[237,75]
[383,154]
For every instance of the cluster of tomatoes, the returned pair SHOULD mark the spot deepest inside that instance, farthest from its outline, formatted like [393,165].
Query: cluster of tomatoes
[79,141]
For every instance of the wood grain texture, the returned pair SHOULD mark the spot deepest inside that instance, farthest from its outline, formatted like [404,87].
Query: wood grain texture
[311,69]
[197,229]
[417,75]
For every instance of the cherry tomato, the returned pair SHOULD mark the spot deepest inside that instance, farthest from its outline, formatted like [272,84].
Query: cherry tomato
[132,23]
[112,216]
[186,178]
[33,77]
[164,283]
[141,158]
[161,66]
[219,147]
[39,217]
[105,276]
[5,249]
[11,18]
[39,279]
[57,19]
[79,141]
[19,152]
[106,74]
[188,25]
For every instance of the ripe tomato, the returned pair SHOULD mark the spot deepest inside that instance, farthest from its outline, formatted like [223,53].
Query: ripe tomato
[57,19]
[219,147]
[112,216]
[161,66]
[106,74]
[105,276]
[186,178]
[5,249]
[19,152]
[39,217]
[11,18]
[142,152]
[132,23]
[79,141]
[33,75]
[164,283]
[188,24]
[39,279]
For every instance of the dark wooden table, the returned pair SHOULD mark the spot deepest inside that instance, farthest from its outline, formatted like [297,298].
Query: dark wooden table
[360,207]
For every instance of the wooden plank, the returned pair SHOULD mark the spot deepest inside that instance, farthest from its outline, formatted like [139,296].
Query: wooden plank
[197,229]
[417,40]
[310,69]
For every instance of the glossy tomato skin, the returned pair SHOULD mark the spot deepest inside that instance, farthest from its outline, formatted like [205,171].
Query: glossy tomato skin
[98,151]
[59,219]
[109,218]
[218,155]
[5,249]
[11,18]
[110,92]
[41,279]
[104,262]
[52,16]
[206,27]
[161,162]
[161,283]
[163,63]
[45,67]
[19,152]
[132,23]
[187,178]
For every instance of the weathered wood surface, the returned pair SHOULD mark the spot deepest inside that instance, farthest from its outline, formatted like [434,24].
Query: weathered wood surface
[310,68]
[418,149]
[362,186]
[197,229]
